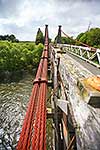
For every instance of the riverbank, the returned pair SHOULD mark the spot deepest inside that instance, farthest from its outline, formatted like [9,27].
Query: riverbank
[16,59]
[15,76]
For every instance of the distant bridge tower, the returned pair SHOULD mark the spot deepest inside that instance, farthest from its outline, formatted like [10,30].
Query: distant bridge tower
[46,30]
[59,35]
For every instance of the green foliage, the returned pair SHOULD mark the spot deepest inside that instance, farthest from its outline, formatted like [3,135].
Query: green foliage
[11,38]
[65,40]
[91,37]
[84,38]
[79,36]
[17,56]
[39,37]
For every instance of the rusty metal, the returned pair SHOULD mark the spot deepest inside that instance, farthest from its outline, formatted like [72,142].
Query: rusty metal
[71,143]
[33,134]
[59,35]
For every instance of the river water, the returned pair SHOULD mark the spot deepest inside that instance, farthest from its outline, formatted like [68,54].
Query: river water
[13,103]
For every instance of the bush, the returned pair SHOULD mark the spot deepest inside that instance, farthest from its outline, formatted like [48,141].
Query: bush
[91,37]
[17,56]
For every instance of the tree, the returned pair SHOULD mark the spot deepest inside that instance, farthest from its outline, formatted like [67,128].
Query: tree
[7,37]
[79,36]
[12,38]
[39,37]
[17,56]
[91,37]
[65,40]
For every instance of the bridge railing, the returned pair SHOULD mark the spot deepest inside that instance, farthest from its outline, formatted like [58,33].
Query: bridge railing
[88,54]
[33,134]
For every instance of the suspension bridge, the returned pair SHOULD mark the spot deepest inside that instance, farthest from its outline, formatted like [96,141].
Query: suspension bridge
[74,77]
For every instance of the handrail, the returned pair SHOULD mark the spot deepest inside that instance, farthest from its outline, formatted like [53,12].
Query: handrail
[33,134]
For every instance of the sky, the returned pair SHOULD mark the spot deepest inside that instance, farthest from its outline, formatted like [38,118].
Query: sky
[23,17]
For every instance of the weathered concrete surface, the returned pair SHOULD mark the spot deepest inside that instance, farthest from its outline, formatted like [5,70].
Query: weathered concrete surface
[86,116]
[90,93]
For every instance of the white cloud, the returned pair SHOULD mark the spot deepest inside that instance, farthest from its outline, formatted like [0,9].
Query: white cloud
[28,15]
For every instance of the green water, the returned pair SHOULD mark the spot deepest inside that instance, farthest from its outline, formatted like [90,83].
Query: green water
[14,98]
[13,103]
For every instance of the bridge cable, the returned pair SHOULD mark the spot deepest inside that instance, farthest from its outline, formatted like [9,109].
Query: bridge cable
[33,134]
[86,45]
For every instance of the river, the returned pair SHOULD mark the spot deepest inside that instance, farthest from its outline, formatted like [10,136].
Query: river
[14,98]
[13,103]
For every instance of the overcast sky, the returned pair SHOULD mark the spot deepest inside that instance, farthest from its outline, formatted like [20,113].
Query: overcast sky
[24,17]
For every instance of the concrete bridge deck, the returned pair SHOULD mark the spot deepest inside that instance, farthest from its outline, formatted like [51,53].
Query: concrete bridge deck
[86,116]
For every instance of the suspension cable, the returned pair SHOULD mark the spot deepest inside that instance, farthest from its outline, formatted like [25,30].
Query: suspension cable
[33,134]
[92,48]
